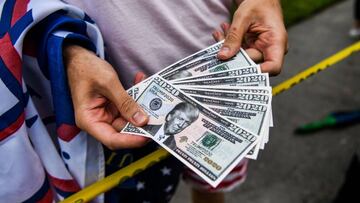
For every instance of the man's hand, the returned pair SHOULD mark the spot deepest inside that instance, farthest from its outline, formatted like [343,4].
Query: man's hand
[102,106]
[258,27]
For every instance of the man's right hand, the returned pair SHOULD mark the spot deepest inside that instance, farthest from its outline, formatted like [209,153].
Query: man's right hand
[102,106]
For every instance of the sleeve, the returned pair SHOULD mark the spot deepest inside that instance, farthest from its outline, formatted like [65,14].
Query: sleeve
[49,36]
[37,127]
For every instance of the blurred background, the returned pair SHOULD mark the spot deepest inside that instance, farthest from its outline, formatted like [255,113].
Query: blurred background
[311,167]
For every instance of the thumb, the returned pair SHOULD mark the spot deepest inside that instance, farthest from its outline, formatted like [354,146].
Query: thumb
[234,37]
[127,107]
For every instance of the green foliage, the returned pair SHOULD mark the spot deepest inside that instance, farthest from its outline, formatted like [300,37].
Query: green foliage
[296,10]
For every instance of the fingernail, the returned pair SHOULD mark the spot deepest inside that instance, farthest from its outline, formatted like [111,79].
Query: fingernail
[224,51]
[139,117]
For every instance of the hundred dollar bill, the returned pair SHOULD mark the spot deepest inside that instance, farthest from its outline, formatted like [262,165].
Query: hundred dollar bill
[223,92]
[249,70]
[260,96]
[249,94]
[237,116]
[245,89]
[203,140]
[215,65]
[250,116]
[211,50]
[239,96]
[220,88]
[259,80]
[181,72]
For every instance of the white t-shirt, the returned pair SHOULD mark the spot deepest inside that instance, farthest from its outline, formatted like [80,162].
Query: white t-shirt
[152,34]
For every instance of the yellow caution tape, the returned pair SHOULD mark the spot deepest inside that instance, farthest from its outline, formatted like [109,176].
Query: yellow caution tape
[316,68]
[92,191]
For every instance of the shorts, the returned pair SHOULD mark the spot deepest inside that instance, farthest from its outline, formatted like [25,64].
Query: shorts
[158,183]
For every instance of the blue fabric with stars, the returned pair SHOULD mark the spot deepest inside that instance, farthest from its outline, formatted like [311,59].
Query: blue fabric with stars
[157,184]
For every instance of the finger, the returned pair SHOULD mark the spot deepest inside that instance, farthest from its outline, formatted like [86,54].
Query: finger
[255,55]
[119,123]
[139,76]
[225,28]
[233,39]
[134,141]
[111,108]
[107,135]
[218,36]
[275,51]
[273,59]
[127,107]
[249,40]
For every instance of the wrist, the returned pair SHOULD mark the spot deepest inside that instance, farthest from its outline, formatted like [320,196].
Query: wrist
[70,51]
[74,54]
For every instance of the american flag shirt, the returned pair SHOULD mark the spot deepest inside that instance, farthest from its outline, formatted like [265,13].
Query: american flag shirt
[44,157]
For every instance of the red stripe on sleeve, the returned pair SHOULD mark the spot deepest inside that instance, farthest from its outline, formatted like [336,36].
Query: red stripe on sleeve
[64,185]
[19,10]
[11,57]
[48,198]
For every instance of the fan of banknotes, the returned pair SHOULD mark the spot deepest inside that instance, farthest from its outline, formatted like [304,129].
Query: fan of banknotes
[208,113]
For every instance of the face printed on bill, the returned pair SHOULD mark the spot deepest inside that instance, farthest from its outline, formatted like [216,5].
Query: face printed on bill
[176,123]
[179,118]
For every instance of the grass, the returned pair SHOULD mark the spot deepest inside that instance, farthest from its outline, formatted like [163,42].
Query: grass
[296,10]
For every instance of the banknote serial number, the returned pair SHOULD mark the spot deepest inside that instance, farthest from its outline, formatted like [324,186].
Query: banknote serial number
[212,163]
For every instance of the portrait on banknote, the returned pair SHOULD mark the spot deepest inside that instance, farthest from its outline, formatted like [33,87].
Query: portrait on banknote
[176,120]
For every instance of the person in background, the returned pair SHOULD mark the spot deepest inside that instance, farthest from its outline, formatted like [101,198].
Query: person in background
[140,39]
[79,94]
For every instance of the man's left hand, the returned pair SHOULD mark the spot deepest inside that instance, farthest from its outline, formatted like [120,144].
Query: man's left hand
[258,27]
